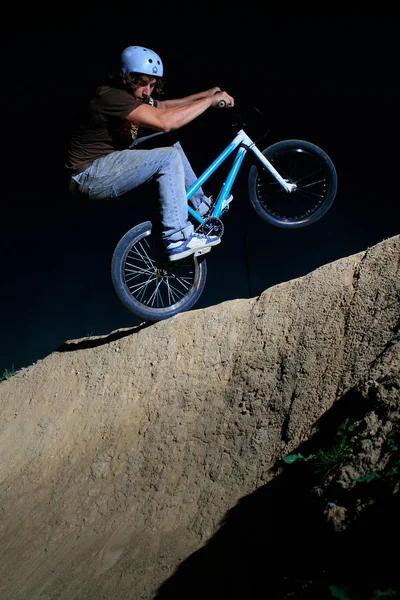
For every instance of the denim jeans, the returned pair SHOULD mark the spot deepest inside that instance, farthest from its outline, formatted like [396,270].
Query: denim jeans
[122,171]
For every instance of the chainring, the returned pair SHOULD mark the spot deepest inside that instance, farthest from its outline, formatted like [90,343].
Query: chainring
[211,226]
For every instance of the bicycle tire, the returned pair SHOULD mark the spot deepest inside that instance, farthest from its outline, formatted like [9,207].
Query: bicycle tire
[146,283]
[302,163]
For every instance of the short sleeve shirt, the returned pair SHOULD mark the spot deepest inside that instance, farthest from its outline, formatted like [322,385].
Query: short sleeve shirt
[102,128]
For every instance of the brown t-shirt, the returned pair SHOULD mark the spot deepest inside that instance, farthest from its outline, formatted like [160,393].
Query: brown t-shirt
[102,128]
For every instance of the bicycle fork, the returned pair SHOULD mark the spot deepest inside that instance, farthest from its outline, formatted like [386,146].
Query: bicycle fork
[250,145]
[243,143]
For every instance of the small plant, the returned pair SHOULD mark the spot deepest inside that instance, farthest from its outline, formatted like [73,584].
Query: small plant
[329,461]
[340,593]
[344,594]
[396,338]
[7,374]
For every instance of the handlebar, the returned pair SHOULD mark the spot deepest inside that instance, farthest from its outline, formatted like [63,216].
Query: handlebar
[221,103]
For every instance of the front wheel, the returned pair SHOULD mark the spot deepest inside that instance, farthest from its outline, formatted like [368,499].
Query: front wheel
[305,165]
[148,284]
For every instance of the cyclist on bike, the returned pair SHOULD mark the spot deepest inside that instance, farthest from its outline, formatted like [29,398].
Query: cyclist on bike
[103,161]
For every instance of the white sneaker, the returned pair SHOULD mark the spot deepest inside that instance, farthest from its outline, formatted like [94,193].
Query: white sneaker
[206,207]
[196,243]
[227,201]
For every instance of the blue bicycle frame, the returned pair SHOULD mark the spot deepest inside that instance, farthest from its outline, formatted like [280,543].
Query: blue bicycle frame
[153,289]
[243,144]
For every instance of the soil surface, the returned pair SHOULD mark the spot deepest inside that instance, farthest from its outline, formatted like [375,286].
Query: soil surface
[246,450]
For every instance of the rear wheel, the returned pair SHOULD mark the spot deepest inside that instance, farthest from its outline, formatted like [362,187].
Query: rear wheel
[303,164]
[148,284]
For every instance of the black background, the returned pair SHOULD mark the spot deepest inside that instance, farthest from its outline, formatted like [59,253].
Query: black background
[325,77]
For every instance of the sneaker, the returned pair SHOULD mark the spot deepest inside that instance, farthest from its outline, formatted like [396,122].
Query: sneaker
[227,201]
[195,244]
[205,211]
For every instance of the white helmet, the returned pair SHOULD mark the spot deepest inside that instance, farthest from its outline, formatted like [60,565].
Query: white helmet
[137,59]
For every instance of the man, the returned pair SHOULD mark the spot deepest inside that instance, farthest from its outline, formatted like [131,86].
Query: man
[103,161]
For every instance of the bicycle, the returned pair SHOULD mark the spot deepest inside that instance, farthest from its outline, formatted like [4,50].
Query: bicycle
[291,184]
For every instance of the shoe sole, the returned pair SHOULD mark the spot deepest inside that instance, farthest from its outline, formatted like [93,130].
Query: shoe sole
[203,251]
[198,252]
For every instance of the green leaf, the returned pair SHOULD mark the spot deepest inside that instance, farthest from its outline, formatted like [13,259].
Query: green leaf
[291,458]
[340,593]
[369,477]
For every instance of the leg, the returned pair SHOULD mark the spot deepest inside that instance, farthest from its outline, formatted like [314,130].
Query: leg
[120,172]
[123,171]
[199,200]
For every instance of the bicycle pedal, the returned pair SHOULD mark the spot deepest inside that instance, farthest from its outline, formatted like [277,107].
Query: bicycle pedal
[202,251]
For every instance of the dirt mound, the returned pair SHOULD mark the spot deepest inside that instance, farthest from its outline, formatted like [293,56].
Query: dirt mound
[228,452]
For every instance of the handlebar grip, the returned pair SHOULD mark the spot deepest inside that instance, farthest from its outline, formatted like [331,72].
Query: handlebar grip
[221,103]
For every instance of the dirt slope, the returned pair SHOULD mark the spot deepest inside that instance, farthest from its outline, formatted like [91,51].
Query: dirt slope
[149,463]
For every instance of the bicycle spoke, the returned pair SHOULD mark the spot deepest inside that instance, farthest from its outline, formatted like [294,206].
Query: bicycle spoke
[142,254]
[158,286]
[174,293]
[301,168]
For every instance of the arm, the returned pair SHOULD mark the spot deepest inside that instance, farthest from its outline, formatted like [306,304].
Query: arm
[174,103]
[171,118]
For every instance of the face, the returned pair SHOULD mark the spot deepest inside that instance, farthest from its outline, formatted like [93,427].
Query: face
[144,89]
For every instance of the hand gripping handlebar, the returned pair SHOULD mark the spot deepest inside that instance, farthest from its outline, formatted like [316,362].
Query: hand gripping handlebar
[221,103]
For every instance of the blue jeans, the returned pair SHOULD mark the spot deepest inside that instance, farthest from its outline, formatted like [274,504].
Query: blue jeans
[124,170]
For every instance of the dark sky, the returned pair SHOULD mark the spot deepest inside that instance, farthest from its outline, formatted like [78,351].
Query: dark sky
[322,78]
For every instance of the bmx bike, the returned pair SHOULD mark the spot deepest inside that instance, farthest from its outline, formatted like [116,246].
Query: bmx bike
[291,184]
